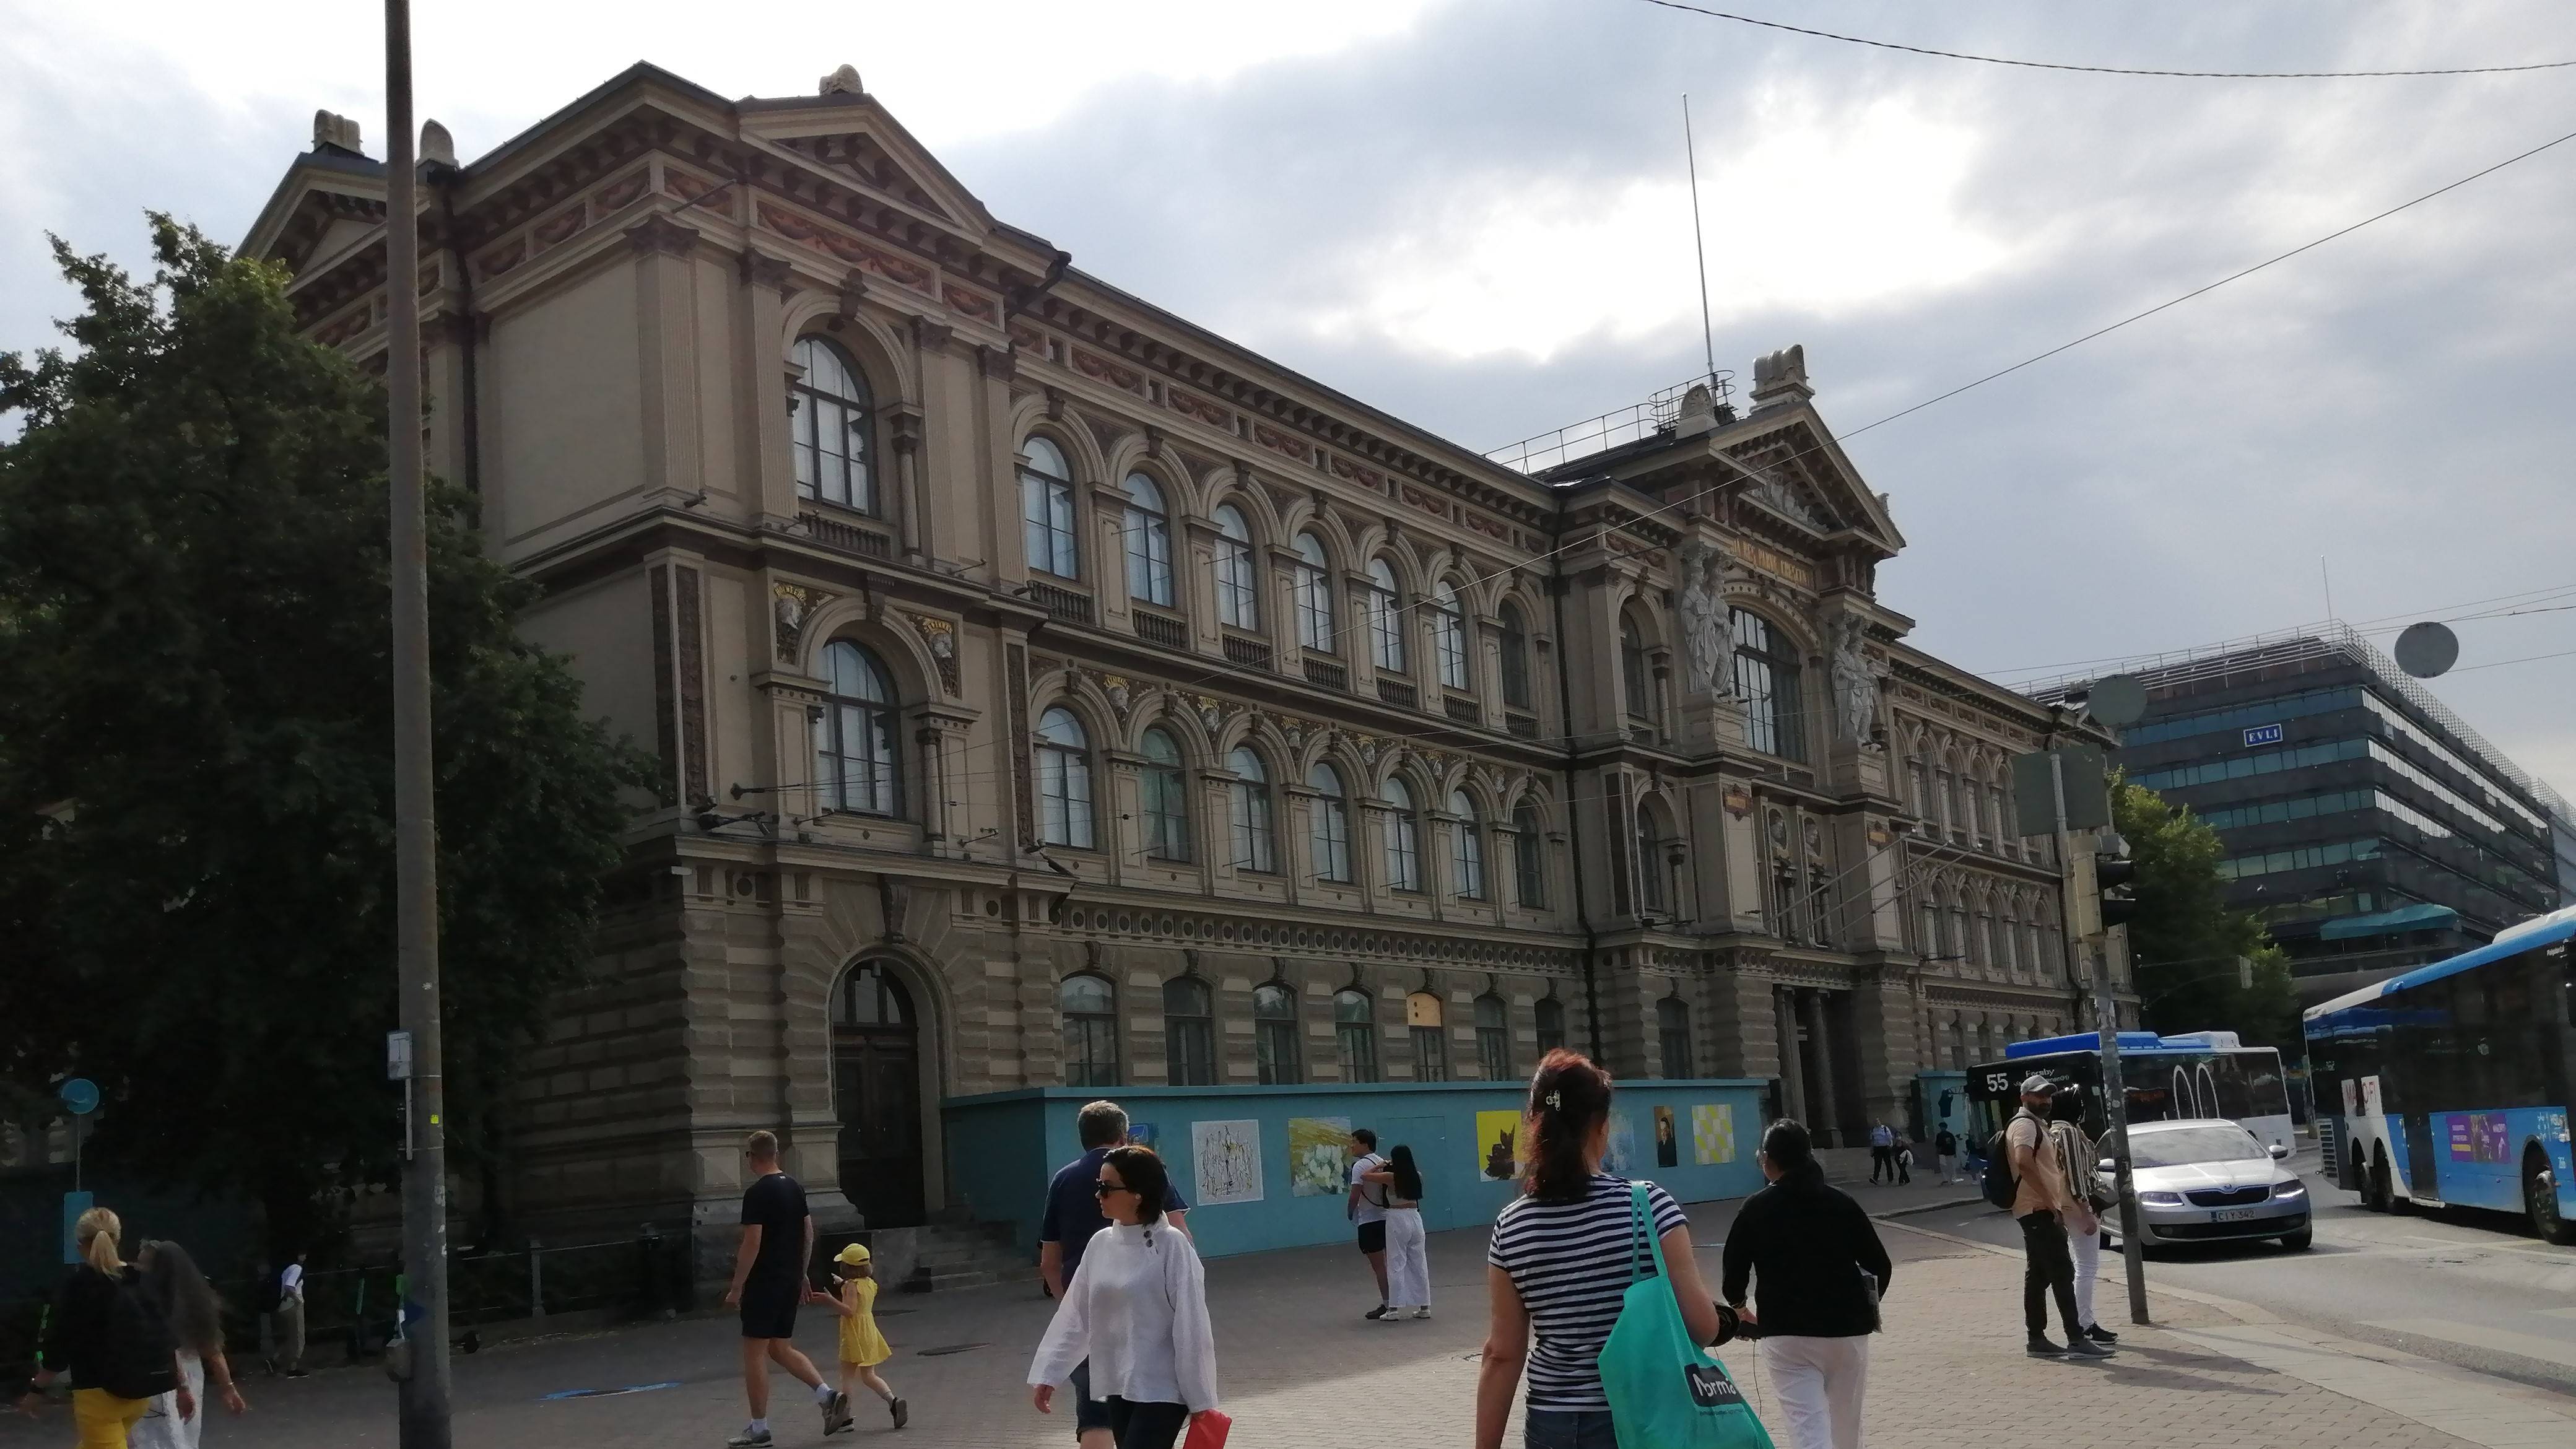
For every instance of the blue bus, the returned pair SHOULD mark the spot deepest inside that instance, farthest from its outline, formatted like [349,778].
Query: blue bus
[2450,1083]
[2166,1078]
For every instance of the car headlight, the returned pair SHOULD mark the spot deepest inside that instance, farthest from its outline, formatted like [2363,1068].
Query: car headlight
[2161,1199]
[2290,1189]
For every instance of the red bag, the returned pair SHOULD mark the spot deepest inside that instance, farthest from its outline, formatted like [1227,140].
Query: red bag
[1208,1430]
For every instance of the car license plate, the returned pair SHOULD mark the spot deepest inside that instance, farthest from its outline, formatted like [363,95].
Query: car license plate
[2232,1215]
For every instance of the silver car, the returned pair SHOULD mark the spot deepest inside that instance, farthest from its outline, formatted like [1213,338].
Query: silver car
[2209,1181]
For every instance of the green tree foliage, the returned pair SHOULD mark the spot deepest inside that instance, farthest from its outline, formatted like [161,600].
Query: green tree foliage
[2186,940]
[196,788]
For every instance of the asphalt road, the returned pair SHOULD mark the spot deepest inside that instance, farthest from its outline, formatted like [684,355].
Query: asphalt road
[2466,1287]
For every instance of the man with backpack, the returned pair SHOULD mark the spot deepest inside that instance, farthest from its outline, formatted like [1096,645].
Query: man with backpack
[2023,1177]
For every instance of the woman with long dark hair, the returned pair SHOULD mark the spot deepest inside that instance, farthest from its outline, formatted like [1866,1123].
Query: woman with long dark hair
[1408,1250]
[196,1318]
[1137,1311]
[1559,1266]
[1817,1270]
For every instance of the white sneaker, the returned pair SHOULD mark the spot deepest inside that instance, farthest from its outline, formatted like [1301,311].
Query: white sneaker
[1423,1312]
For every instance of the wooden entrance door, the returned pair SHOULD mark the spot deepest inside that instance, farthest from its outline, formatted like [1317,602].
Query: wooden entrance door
[876,1088]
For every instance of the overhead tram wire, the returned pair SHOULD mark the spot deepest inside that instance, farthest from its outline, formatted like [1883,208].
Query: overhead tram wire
[1939,54]
[2211,287]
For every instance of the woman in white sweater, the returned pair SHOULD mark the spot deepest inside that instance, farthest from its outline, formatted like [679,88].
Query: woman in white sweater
[1137,1309]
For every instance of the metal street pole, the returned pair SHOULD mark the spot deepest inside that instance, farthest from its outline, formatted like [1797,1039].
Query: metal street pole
[2106,1026]
[423,1364]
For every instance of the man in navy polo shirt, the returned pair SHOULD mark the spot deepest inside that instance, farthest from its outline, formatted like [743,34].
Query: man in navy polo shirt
[1072,1216]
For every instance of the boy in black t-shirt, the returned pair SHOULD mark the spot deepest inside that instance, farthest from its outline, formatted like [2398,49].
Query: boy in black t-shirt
[768,1283]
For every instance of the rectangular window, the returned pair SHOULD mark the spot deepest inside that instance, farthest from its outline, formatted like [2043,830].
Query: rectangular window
[1238,595]
[1358,1043]
[1046,516]
[1190,1043]
[1430,1054]
[1314,591]
[1274,1053]
[1332,841]
[1149,558]
[1449,641]
[1064,798]
[1386,631]
[1090,1051]
[1516,670]
[1252,837]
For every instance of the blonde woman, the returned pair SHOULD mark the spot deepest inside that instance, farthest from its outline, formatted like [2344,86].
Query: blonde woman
[106,1335]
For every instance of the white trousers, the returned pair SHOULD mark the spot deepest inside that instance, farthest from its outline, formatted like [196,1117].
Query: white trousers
[161,1427]
[1816,1384]
[2087,1248]
[1408,1259]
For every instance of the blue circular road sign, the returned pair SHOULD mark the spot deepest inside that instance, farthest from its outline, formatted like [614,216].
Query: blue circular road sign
[80,1096]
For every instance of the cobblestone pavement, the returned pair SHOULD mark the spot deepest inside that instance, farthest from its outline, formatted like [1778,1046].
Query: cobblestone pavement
[1299,1367]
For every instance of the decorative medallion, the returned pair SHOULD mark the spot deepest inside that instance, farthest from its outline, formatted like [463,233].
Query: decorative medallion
[791,605]
[1738,801]
[941,638]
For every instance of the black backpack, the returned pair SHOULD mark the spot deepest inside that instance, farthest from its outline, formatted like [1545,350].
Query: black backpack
[139,1359]
[1999,1184]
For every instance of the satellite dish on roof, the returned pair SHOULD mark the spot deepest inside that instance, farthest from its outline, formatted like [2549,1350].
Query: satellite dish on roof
[2117,700]
[2428,649]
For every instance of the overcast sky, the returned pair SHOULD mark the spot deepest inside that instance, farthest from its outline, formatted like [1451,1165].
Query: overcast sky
[1474,214]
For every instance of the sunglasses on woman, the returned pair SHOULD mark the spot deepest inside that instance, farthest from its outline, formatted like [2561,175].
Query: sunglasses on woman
[1104,1189]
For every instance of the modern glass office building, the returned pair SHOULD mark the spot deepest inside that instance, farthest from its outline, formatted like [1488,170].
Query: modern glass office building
[2370,826]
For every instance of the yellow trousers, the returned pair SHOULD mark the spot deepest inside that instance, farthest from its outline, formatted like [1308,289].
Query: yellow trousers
[103,1418]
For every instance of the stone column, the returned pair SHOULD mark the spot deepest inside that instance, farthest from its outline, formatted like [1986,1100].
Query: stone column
[1828,1119]
[1793,1064]
[768,482]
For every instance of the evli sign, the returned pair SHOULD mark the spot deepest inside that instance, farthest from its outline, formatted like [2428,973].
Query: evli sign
[2269,734]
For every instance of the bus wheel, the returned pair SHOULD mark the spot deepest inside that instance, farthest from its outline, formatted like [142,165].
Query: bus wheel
[2377,1197]
[2540,1198]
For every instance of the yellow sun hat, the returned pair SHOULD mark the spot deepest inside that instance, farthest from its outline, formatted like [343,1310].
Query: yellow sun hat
[855,1255]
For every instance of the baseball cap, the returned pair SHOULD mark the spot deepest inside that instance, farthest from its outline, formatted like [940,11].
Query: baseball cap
[2037,1085]
[853,1255]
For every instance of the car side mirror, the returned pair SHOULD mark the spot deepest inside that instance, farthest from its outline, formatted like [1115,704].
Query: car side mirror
[2279,1152]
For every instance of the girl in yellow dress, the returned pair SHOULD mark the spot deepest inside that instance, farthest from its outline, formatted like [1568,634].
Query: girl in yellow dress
[854,1297]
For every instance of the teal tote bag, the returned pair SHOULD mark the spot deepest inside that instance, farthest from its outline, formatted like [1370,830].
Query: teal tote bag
[1665,1391]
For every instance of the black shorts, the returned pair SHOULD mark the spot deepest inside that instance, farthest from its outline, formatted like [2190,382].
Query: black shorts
[1088,1413]
[1373,1237]
[769,1309]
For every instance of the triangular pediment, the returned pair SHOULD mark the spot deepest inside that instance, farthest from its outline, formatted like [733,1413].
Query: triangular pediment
[322,207]
[856,142]
[1801,473]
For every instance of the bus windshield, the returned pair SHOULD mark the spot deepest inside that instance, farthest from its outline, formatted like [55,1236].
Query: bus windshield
[2214,1143]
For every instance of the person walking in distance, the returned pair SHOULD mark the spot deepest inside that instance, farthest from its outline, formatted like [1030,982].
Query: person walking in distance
[107,1335]
[1408,1250]
[1136,1312]
[1882,1151]
[854,1297]
[2039,1204]
[2076,1157]
[1945,1153]
[1901,1153]
[188,1304]
[1074,1217]
[290,1320]
[1817,1272]
[1367,1211]
[768,1284]
[1559,1264]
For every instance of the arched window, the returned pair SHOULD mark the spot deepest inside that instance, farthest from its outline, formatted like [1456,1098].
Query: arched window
[1090,1008]
[1632,672]
[1277,1051]
[1248,806]
[1976,803]
[1650,864]
[1550,1015]
[1493,1037]
[1961,790]
[1448,637]
[1529,856]
[1978,940]
[1515,659]
[1064,780]
[1313,589]
[1149,542]
[832,421]
[1946,805]
[2005,834]
[1766,679]
[1423,1019]
[870,996]
[2005,952]
[1672,1029]
[2030,946]
[855,762]
[1331,832]
[1956,944]
[1403,837]
[1466,848]
[1189,1032]
[1165,796]
[1918,786]
[1238,583]
[1385,618]
[1355,1033]
[1927,926]
[1046,509]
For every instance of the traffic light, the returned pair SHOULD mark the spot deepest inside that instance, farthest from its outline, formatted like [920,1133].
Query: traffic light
[2113,875]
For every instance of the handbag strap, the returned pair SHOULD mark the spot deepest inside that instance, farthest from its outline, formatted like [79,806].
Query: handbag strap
[1641,1225]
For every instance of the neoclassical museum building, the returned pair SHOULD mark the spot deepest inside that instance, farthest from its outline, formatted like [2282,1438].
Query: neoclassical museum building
[1050,692]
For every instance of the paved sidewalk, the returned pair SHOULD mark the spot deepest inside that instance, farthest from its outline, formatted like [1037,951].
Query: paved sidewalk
[1299,1367]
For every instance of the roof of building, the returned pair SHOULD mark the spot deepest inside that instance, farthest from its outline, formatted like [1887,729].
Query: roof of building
[2348,1011]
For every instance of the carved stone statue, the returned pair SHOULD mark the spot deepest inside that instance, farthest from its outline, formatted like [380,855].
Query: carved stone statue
[1856,679]
[1703,610]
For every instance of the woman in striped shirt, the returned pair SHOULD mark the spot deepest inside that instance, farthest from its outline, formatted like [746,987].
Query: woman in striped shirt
[1559,1266]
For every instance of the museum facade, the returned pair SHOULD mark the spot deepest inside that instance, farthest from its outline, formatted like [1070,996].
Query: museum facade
[1050,692]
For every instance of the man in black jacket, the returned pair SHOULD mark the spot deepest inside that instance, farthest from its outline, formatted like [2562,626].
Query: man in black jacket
[1818,1272]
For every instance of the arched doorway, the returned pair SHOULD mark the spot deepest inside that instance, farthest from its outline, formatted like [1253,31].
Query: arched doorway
[876,1090]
